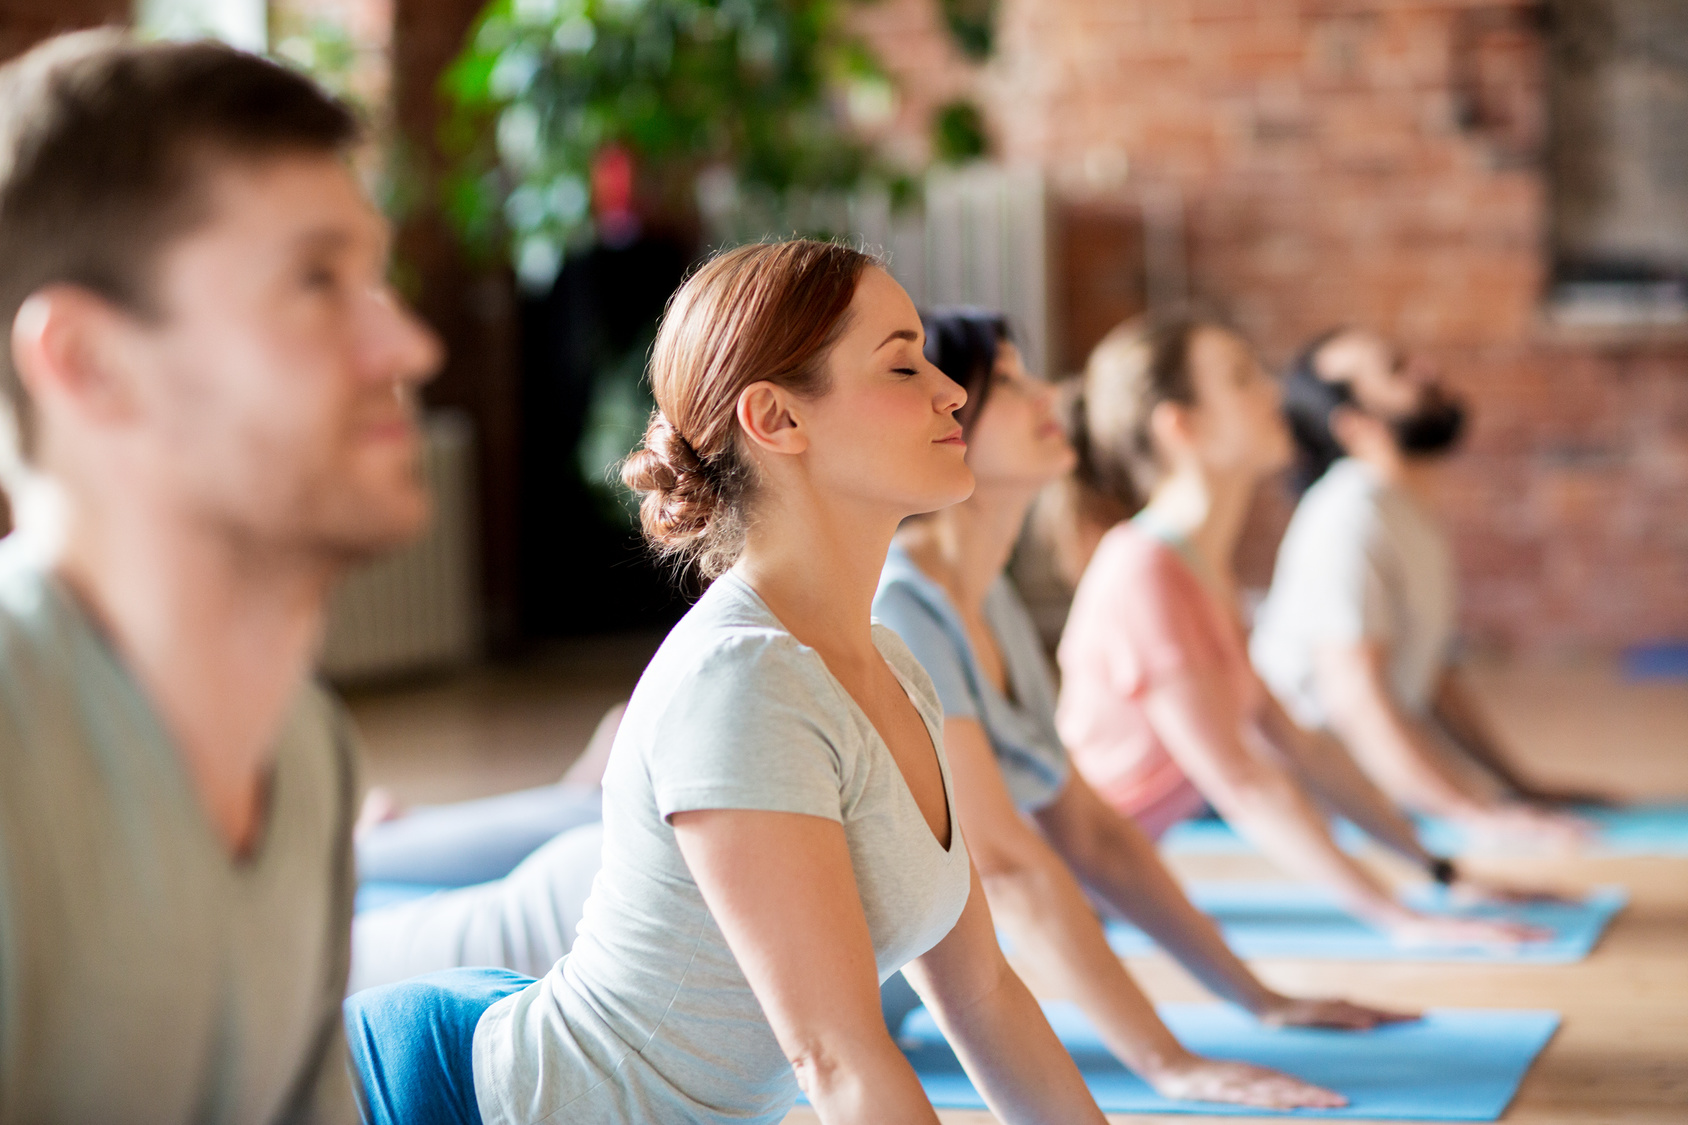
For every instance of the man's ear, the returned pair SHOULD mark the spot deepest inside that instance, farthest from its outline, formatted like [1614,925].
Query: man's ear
[65,342]
[767,414]
[1352,428]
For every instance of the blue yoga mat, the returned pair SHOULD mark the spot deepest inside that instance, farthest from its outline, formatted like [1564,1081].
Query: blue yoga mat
[376,893]
[1453,1065]
[1659,829]
[1663,660]
[1300,920]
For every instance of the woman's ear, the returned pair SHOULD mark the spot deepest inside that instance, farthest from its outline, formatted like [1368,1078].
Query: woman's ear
[768,415]
[1170,429]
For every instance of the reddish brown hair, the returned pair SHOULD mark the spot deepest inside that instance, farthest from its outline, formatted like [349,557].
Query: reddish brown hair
[769,312]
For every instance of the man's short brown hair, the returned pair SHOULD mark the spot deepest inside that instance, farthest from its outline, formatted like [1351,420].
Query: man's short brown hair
[106,146]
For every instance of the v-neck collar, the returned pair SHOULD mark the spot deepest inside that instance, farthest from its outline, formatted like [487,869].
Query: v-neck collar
[138,708]
[933,734]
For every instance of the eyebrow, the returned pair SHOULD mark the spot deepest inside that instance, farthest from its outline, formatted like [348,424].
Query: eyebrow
[900,334]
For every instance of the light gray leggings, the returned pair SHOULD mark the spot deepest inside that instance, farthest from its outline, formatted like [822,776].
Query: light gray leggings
[525,921]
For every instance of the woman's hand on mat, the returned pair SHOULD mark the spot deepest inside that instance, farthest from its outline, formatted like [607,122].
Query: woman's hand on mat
[1438,929]
[1469,891]
[1292,1011]
[1528,827]
[1195,1079]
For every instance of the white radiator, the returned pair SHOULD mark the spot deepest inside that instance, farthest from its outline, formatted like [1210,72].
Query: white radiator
[980,236]
[417,609]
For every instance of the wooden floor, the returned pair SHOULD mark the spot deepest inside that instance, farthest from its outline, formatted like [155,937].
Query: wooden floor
[1621,1056]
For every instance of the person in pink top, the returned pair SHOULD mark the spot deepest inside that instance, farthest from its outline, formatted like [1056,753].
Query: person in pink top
[1160,708]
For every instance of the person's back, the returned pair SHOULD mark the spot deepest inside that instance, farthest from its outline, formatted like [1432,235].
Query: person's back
[135,955]
[1360,561]
[732,710]
[204,420]
[1140,619]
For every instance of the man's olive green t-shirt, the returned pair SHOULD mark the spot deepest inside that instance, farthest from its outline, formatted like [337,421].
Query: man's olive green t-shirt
[145,974]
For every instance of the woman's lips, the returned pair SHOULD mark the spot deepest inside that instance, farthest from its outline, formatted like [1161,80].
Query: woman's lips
[952,439]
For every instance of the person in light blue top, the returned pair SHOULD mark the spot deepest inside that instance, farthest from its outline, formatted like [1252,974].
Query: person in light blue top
[1041,837]
[1020,722]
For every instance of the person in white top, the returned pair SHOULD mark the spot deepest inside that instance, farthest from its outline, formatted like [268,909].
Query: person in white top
[1356,633]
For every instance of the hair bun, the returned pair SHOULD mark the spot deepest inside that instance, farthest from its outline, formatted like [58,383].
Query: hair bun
[680,495]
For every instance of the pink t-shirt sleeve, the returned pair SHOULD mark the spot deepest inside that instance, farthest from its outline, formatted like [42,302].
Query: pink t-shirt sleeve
[1154,623]
[1140,619]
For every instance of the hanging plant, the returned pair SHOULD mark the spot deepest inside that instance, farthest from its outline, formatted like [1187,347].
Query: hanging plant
[757,91]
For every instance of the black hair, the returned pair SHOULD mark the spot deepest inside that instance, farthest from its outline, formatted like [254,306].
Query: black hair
[1308,403]
[963,343]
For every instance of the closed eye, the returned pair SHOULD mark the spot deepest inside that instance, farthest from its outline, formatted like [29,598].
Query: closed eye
[905,370]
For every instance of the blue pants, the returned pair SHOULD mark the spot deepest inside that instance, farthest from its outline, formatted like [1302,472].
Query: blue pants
[413,1044]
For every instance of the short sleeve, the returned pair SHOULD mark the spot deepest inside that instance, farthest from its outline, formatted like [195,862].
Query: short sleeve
[1343,596]
[933,646]
[758,723]
[1154,611]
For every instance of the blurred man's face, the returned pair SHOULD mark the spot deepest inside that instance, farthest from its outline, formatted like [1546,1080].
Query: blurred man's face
[1395,388]
[1386,383]
[277,391]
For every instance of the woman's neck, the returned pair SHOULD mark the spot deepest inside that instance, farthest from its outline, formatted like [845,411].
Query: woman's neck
[816,565]
[966,547]
[1207,509]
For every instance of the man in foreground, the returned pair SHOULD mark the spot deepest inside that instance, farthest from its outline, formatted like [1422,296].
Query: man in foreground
[208,405]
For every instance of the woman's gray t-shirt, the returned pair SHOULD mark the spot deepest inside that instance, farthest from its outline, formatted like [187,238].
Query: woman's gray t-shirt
[648,1018]
[1022,729]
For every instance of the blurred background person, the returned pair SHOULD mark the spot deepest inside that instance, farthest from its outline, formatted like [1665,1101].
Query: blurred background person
[1038,833]
[1356,635]
[208,406]
[1177,421]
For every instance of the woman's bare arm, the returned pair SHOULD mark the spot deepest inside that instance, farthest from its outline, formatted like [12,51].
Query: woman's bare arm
[1038,901]
[1198,723]
[997,1029]
[1120,865]
[781,888]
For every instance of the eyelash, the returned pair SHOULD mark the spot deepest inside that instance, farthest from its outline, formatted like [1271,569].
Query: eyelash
[905,371]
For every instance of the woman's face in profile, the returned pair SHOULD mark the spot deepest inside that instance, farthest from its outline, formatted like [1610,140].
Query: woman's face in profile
[1016,440]
[1238,421]
[884,435]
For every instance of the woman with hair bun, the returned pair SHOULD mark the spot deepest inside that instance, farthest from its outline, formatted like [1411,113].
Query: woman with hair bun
[779,830]
[1176,425]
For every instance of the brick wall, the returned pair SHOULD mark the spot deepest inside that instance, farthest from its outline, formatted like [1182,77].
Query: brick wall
[1376,162]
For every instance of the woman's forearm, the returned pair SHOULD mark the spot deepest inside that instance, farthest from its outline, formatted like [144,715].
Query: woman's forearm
[1051,924]
[1009,1050]
[1275,815]
[861,1084]
[1328,770]
[1118,862]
